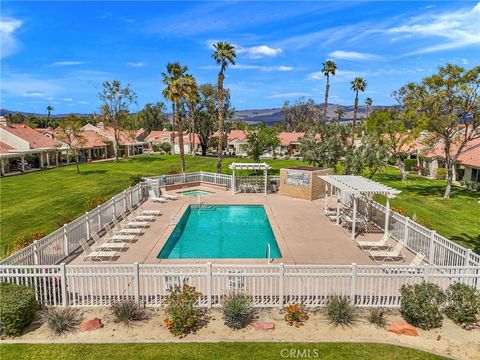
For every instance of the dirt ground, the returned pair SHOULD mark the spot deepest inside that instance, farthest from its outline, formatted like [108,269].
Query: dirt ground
[450,340]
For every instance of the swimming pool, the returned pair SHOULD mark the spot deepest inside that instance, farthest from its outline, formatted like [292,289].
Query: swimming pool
[221,231]
[195,192]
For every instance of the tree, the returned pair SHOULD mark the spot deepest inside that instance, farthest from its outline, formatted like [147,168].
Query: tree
[153,117]
[223,55]
[116,101]
[448,105]
[358,84]
[368,102]
[340,112]
[191,98]
[261,139]
[300,116]
[325,145]
[371,154]
[69,132]
[329,68]
[49,113]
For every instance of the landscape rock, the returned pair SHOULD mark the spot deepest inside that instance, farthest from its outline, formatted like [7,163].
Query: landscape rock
[91,324]
[401,327]
[263,326]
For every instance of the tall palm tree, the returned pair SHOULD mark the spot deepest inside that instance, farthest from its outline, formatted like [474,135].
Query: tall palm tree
[358,84]
[49,113]
[340,112]
[172,92]
[368,102]
[329,68]
[224,54]
[191,96]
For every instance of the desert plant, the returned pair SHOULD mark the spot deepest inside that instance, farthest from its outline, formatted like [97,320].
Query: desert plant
[237,310]
[61,320]
[127,311]
[421,305]
[182,315]
[296,315]
[341,312]
[377,317]
[463,304]
[17,308]
[135,179]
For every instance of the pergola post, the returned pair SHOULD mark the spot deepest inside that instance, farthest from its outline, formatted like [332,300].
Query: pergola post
[326,197]
[42,165]
[266,180]
[2,161]
[387,215]
[233,182]
[354,218]
[338,211]
[56,158]
[68,158]
[48,158]
[23,163]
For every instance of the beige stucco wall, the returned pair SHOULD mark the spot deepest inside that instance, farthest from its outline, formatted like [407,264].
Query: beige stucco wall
[314,190]
[13,140]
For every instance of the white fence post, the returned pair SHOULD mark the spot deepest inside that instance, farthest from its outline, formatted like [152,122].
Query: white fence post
[209,284]
[99,217]
[35,252]
[131,197]
[426,274]
[353,287]
[405,235]
[125,201]
[431,251]
[114,216]
[136,283]
[63,284]
[87,225]
[281,279]
[65,241]
[467,257]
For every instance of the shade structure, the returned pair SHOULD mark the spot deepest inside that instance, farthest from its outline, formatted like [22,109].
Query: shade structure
[250,166]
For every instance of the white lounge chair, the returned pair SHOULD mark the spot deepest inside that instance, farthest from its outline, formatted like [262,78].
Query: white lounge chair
[395,254]
[137,216]
[119,237]
[101,243]
[166,195]
[88,253]
[122,230]
[133,223]
[149,212]
[375,245]
[413,268]
[155,198]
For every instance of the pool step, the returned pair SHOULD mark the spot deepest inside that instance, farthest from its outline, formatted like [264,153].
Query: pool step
[203,207]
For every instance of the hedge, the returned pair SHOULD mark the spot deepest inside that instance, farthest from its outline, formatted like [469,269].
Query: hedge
[17,308]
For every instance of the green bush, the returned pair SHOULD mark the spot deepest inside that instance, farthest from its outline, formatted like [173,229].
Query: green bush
[377,317]
[127,311]
[182,315]
[341,312]
[421,305]
[410,164]
[61,320]
[17,308]
[463,304]
[136,179]
[237,310]
[165,147]
[441,174]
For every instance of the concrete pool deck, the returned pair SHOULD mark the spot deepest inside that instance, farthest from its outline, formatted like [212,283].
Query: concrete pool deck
[303,233]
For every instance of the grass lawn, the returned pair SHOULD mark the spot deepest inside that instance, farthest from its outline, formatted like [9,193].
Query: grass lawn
[229,351]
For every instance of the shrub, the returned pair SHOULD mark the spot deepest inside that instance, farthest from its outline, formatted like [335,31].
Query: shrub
[165,147]
[26,239]
[17,308]
[135,179]
[127,311]
[296,315]
[61,320]
[182,316]
[421,305]
[399,210]
[410,164]
[341,312]
[441,174]
[93,202]
[463,304]
[237,310]
[377,317]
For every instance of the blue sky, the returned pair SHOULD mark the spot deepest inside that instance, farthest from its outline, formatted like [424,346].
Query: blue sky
[59,53]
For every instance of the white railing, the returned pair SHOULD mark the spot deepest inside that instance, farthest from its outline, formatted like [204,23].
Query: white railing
[273,285]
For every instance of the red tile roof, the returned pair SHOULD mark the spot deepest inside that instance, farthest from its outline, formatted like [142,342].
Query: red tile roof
[93,139]
[186,139]
[4,148]
[471,154]
[286,138]
[36,139]
[126,137]
[157,135]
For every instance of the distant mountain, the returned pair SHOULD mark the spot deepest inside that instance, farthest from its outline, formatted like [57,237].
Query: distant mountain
[255,116]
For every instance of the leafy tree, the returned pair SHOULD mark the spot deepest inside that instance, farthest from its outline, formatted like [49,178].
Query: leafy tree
[329,68]
[223,55]
[153,117]
[116,101]
[260,139]
[358,84]
[325,145]
[300,116]
[70,133]
[372,154]
[340,112]
[448,104]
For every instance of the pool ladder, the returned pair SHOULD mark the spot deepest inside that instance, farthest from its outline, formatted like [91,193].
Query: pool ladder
[268,251]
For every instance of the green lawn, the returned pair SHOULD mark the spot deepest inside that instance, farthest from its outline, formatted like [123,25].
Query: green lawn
[230,351]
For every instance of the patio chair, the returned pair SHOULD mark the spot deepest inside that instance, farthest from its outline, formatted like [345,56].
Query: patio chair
[132,223]
[148,212]
[413,268]
[137,216]
[166,195]
[119,237]
[122,230]
[375,245]
[101,243]
[394,255]
[155,198]
[88,253]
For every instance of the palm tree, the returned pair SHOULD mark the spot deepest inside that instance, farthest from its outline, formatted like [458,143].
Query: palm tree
[329,68]
[191,96]
[358,84]
[49,112]
[172,92]
[223,55]
[368,102]
[340,112]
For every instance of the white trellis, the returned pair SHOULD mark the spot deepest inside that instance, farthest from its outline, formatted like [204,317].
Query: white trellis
[355,186]
[250,166]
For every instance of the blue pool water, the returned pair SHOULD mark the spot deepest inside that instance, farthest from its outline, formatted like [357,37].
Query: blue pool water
[221,231]
[195,192]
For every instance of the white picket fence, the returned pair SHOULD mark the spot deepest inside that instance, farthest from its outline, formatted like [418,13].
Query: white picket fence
[273,285]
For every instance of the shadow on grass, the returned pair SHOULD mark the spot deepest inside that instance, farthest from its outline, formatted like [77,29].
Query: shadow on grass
[89,172]
[471,241]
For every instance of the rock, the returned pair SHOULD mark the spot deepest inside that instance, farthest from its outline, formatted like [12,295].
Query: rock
[401,327]
[263,326]
[91,324]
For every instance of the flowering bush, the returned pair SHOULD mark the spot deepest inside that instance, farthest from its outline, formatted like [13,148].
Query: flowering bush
[296,315]
[182,315]
[463,304]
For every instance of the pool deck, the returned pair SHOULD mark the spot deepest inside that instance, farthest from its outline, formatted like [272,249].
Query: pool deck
[303,233]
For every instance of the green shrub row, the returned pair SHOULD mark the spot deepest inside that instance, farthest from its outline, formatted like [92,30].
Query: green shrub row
[17,308]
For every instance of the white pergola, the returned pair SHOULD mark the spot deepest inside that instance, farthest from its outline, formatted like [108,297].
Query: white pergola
[250,166]
[21,154]
[357,186]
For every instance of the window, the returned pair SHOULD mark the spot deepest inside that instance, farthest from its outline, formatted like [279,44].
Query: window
[476,175]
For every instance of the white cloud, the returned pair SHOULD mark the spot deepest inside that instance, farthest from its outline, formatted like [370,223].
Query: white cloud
[68,63]
[68,99]
[9,44]
[353,55]
[281,68]
[284,68]
[288,95]
[33,94]
[136,64]
[82,102]
[257,52]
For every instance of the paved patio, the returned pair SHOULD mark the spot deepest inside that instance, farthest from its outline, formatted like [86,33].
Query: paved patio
[304,234]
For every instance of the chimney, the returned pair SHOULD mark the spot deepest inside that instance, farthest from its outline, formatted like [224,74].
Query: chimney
[101,125]
[4,121]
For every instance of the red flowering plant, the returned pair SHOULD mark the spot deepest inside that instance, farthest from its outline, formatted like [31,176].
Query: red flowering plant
[296,315]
